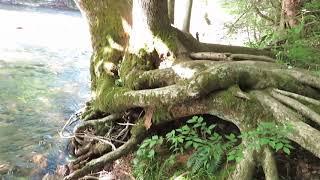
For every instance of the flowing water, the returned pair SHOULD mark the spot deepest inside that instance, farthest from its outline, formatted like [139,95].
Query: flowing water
[44,78]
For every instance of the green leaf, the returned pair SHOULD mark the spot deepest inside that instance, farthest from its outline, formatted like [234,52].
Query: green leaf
[286,150]
[155,137]
[196,125]
[144,144]
[185,128]
[151,153]
[152,143]
[180,140]
[279,146]
[170,134]
[196,139]
[208,131]
[188,144]
[212,126]
[238,159]
[195,145]
[264,141]
[272,144]
[231,137]
[200,119]
[288,146]
[231,157]
[193,120]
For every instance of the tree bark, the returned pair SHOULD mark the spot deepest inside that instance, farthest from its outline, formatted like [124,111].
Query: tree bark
[171,5]
[290,10]
[187,16]
[128,80]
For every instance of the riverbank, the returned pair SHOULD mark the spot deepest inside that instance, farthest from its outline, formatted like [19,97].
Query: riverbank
[44,78]
[55,4]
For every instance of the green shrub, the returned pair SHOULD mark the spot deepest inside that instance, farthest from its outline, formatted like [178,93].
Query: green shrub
[210,150]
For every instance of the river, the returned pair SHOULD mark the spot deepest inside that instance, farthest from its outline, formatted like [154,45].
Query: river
[44,78]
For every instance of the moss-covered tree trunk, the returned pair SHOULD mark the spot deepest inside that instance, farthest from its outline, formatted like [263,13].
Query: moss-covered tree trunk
[147,73]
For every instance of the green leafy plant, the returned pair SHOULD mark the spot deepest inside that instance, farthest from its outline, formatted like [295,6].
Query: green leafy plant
[143,163]
[269,134]
[208,149]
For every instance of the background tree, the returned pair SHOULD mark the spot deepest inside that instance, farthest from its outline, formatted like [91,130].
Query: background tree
[147,74]
[288,27]
[187,16]
[171,10]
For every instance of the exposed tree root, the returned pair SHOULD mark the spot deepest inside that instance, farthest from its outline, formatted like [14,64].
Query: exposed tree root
[245,168]
[107,158]
[97,122]
[229,57]
[238,57]
[301,108]
[299,97]
[220,76]
[235,91]
[131,74]
[195,46]
[305,77]
[210,56]
[269,164]
[303,134]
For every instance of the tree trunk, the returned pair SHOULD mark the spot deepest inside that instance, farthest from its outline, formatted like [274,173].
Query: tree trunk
[187,16]
[290,10]
[154,75]
[171,10]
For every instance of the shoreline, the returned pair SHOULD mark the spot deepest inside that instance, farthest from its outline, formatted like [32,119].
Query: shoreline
[39,5]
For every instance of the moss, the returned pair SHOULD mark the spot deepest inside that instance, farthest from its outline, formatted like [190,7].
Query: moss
[252,110]
[138,128]
[105,24]
[132,65]
[105,20]
[105,92]
[168,37]
[160,115]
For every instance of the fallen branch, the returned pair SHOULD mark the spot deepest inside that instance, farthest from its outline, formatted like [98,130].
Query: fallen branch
[209,56]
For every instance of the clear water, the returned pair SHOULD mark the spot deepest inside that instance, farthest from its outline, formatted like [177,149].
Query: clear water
[44,78]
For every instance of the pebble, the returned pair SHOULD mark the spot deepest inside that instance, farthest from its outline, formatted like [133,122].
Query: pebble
[4,168]
[40,160]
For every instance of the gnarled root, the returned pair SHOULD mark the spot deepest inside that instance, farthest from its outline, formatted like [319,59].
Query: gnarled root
[244,169]
[107,158]
[269,164]
[235,91]
[305,135]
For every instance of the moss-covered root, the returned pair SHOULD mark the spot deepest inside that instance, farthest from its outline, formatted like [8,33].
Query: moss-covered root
[303,134]
[202,83]
[245,168]
[268,163]
[298,97]
[229,57]
[299,107]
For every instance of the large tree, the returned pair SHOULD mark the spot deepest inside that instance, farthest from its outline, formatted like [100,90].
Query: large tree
[147,73]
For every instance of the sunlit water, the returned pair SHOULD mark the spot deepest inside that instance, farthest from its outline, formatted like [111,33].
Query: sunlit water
[44,62]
